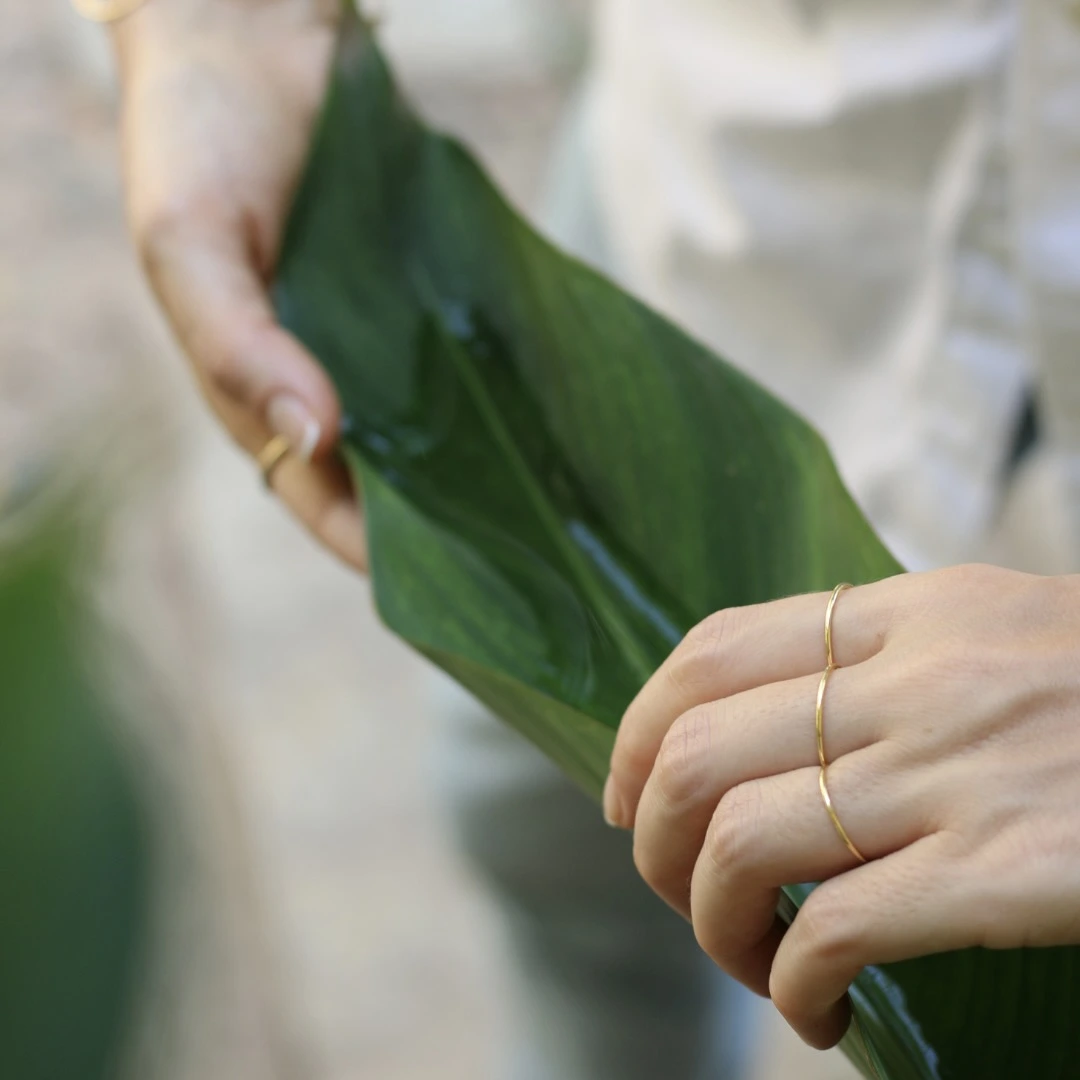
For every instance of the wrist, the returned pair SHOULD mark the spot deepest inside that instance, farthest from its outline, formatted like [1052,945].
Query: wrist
[156,23]
[163,28]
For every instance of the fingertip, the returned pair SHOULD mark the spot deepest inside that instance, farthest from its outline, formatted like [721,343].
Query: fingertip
[290,367]
[821,1027]
[826,1031]
[614,814]
[293,420]
[342,530]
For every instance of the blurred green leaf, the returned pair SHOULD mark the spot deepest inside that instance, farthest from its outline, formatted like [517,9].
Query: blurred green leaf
[73,850]
[559,483]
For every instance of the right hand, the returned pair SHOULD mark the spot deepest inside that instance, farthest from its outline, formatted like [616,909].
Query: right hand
[220,99]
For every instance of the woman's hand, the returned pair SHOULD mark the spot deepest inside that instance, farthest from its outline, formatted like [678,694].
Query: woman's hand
[219,102]
[952,728]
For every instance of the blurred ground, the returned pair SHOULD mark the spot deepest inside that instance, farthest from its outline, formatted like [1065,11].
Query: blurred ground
[321,925]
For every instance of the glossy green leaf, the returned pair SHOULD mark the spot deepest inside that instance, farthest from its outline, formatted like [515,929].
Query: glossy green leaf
[559,483]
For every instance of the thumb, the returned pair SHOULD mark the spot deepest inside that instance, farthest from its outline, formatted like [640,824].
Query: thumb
[257,376]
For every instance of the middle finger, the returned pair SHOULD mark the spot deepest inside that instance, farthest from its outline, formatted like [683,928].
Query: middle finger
[715,747]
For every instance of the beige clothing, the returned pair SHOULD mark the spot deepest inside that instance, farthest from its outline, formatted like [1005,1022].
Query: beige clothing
[875,209]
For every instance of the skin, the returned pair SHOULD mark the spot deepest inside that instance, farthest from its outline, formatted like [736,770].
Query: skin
[953,734]
[219,101]
[952,726]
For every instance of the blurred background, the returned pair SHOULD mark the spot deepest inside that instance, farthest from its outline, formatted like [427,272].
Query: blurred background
[311,919]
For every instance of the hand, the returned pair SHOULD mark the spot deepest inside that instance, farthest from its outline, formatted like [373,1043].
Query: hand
[952,729]
[219,102]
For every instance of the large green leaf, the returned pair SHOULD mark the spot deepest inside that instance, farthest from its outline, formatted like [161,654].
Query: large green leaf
[559,483]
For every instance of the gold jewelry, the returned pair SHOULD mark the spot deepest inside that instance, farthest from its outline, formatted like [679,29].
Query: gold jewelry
[106,11]
[819,714]
[271,456]
[840,830]
[830,660]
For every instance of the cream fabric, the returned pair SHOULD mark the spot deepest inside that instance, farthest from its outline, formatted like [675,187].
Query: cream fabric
[874,207]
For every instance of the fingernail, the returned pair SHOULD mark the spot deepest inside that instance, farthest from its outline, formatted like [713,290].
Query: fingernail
[288,416]
[612,805]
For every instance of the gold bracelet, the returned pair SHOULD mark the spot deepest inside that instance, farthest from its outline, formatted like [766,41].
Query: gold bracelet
[106,11]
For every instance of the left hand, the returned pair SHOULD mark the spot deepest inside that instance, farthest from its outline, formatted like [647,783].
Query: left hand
[220,101]
[952,729]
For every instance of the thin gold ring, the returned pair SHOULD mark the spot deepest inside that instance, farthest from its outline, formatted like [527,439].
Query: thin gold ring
[819,714]
[830,660]
[106,11]
[840,830]
[271,456]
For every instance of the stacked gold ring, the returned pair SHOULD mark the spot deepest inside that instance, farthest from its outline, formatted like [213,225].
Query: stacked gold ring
[819,724]
[819,714]
[830,608]
[831,811]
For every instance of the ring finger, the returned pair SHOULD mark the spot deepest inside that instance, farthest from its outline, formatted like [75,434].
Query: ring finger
[775,831]
[715,747]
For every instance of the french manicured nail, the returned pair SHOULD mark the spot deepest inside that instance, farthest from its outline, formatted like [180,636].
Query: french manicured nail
[612,805]
[289,417]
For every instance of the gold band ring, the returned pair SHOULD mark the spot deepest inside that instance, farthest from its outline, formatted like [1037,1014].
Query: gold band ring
[819,714]
[829,809]
[271,456]
[830,660]
[106,11]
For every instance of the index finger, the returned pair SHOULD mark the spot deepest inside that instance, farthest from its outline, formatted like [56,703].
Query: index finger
[255,374]
[732,651]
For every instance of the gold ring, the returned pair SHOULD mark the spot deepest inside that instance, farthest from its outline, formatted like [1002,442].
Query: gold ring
[106,11]
[819,714]
[271,456]
[830,660]
[840,830]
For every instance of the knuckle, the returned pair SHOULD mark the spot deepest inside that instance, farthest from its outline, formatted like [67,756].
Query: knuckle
[975,575]
[705,646]
[630,760]
[786,994]
[651,866]
[828,942]
[712,940]
[715,631]
[221,362]
[733,836]
[158,234]
[165,238]
[829,933]
[681,763]
[783,993]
